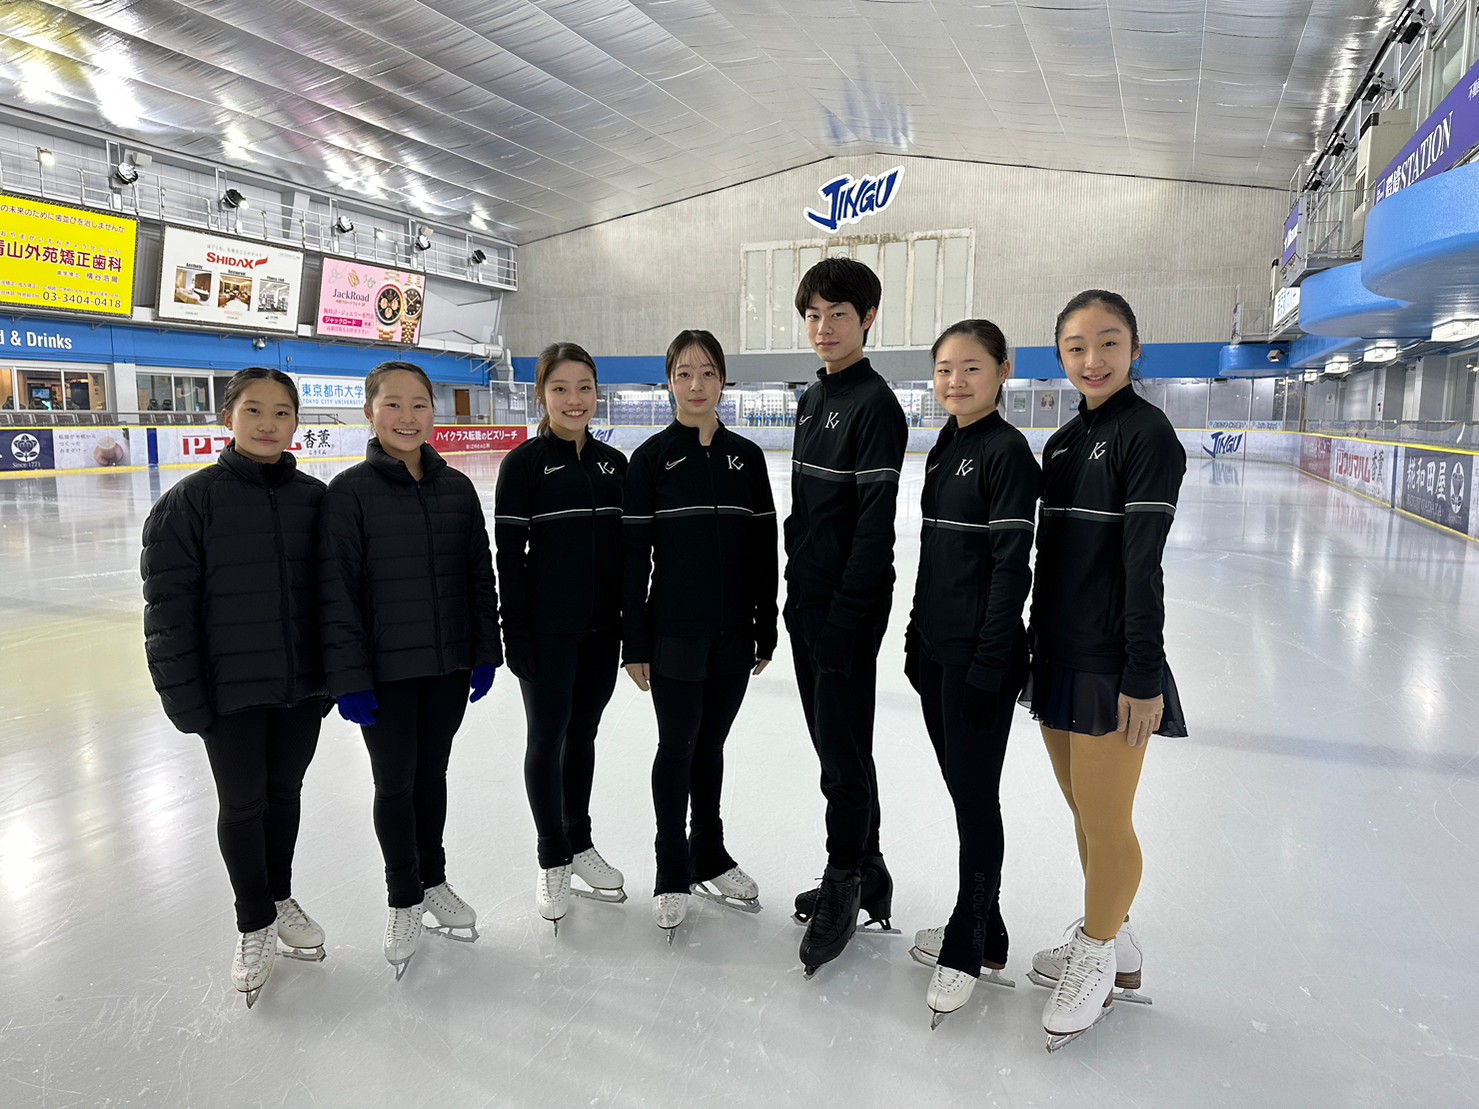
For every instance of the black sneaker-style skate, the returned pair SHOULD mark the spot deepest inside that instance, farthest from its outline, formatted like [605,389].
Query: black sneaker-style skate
[877,899]
[835,919]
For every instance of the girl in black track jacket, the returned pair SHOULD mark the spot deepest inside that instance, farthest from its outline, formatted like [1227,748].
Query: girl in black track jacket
[965,650]
[410,626]
[1100,686]
[700,524]
[230,569]
[557,525]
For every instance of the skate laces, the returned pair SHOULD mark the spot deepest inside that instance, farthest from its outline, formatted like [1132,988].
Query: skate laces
[1077,972]
[830,908]
[253,945]
[445,898]
[553,880]
[402,924]
[591,860]
[292,914]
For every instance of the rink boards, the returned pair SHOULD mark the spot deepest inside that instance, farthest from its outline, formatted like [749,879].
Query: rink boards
[1430,483]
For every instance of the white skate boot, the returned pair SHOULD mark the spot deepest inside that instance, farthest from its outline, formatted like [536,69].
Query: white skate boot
[402,930]
[299,933]
[949,990]
[454,917]
[669,910]
[605,881]
[734,888]
[1129,960]
[926,950]
[552,894]
[1085,993]
[253,963]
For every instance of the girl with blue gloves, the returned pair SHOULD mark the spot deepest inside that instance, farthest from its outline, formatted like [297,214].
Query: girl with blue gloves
[410,629]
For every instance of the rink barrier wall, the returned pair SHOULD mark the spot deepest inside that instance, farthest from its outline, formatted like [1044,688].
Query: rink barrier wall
[1432,484]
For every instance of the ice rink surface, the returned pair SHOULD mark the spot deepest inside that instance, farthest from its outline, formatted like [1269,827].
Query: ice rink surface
[1308,911]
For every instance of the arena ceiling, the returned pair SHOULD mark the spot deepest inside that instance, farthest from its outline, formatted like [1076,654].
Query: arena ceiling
[525,118]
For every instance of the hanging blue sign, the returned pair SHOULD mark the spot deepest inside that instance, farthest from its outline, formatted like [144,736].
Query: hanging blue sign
[851,198]
[1444,140]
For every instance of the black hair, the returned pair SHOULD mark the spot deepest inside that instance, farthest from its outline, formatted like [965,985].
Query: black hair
[839,280]
[242,378]
[989,336]
[1112,303]
[550,357]
[385,369]
[694,337]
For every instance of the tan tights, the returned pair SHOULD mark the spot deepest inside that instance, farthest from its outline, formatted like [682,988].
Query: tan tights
[1098,775]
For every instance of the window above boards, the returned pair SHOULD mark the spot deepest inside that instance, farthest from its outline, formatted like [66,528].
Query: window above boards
[927,279]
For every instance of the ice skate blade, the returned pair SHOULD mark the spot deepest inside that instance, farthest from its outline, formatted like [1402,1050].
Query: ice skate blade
[454,932]
[919,955]
[996,978]
[669,931]
[877,928]
[251,996]
[936,1019]
[744,905]
[1057,1041]
[609,897]
[400,968]
[303,954]
[1133,997]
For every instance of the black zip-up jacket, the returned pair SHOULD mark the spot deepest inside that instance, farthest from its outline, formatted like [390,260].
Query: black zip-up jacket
[693,515]
[557,526]
[1111,477]
[230,567]
[406,585]
[849,449]
[975,548]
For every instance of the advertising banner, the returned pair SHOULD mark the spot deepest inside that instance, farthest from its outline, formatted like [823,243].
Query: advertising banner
[85,448]
[1366,468]
[66,259]
[374,305]
[1314,456]
[330,392]
[223,281]
[1291,232]
[1444,139]
[1435,486]
[463,440]
[175,446]
[25,449]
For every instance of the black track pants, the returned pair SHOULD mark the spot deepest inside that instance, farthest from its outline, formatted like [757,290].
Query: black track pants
[573,680]
[258,758]
[410,746]
[693,721]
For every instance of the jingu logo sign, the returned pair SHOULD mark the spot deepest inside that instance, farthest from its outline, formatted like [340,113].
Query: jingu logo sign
[850,198]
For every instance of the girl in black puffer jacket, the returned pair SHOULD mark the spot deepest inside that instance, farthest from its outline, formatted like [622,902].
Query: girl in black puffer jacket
[410,624]
[230,570]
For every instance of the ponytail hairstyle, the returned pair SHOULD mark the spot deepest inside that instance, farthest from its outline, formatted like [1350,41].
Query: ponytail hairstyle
[550,357]
[990,337]
[378,375]
[1112,303]
[242,378]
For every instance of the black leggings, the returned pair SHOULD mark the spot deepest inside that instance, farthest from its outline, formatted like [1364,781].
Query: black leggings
[693,721]
[839,716]
[258,758]
[574,677]
[409,747]
[971,762]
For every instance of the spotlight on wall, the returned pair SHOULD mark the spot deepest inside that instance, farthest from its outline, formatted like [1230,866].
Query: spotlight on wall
[1315,184]
[232,198]
[379,232]
[1415,27]
[1374,90]
[125,172]
[259,343]
[45,157]
[478,258]
[343,225]
[422,240]
[1337,148]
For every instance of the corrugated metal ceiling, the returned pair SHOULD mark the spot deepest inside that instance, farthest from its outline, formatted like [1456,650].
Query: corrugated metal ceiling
[525,118]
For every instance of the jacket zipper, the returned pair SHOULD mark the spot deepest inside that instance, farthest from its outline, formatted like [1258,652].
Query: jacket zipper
[436,600]
[285,588]
[591,488]
[718,529]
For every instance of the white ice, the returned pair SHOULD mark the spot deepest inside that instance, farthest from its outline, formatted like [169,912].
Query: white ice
[1308,910]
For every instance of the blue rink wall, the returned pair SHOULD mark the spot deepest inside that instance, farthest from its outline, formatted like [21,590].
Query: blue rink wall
[1430,483]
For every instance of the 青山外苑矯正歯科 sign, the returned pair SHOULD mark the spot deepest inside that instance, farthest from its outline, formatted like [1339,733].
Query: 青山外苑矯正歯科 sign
[223,281]
[849,199]
[1444,139]
[66,259]
[374,305]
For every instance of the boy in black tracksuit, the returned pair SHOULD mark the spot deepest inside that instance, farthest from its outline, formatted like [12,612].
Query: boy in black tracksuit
[557,530]
[697,516]
[849,448]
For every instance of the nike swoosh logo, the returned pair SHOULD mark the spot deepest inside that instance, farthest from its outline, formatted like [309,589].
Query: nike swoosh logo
[803,420]
[670,465]
[552,469]
[933,468]
[1059,451]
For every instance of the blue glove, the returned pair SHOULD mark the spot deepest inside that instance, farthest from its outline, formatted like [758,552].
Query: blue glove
[359,708]
[482,681]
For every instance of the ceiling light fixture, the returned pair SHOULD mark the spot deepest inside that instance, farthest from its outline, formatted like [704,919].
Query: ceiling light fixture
[1416,25]
[343,225]
[232,198]
[423,240]
[125,172]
